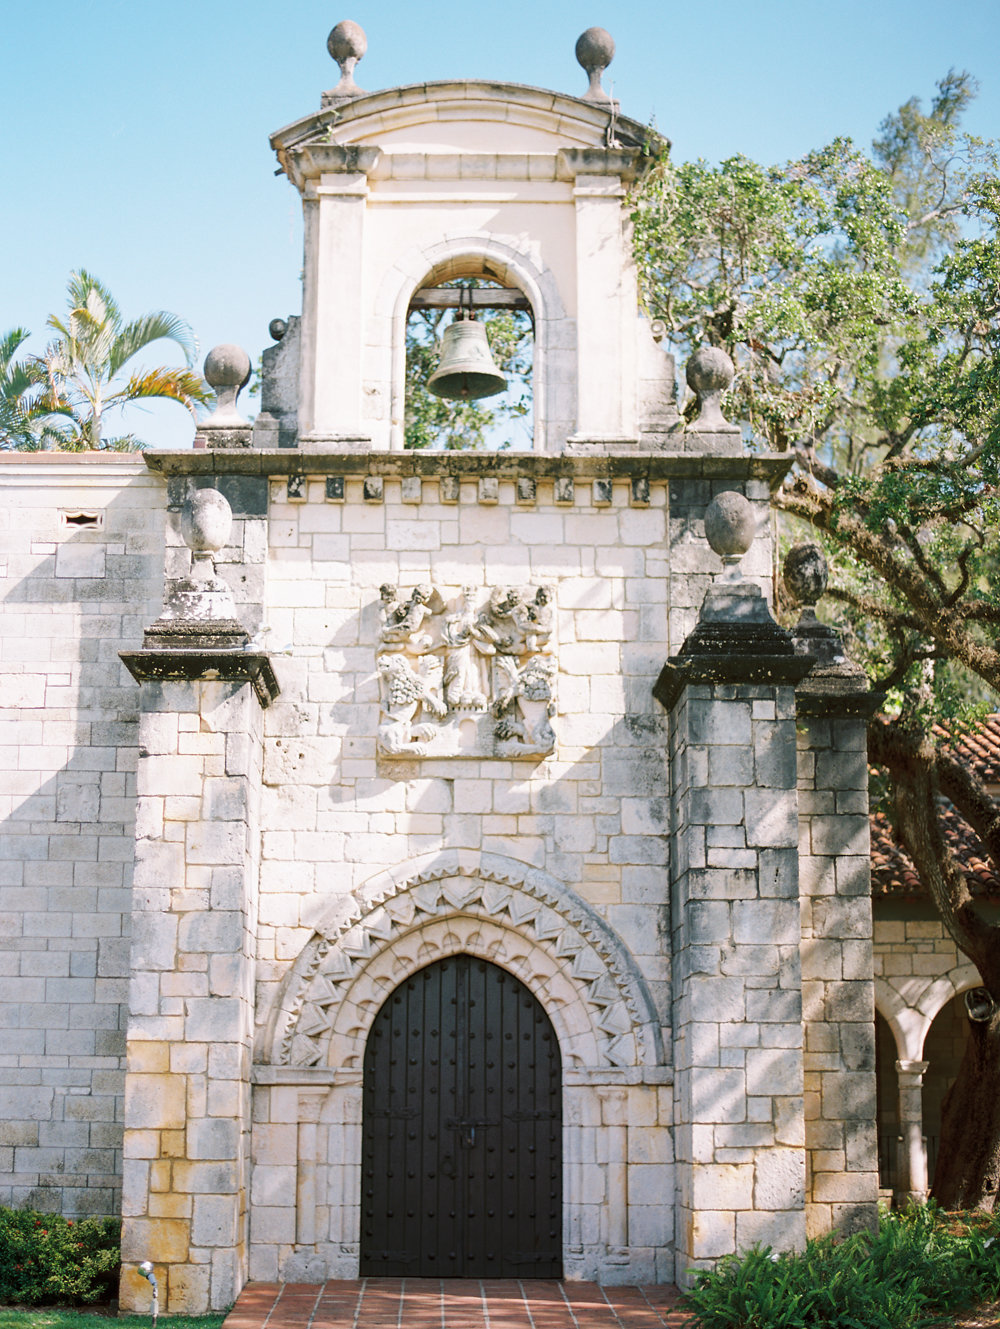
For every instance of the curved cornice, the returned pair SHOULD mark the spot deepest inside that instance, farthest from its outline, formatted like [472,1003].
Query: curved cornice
[572,121]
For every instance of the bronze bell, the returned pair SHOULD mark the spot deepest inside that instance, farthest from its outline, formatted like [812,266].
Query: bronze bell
[466,369]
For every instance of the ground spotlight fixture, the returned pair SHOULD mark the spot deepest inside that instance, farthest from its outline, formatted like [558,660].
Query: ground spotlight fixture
[146,1271]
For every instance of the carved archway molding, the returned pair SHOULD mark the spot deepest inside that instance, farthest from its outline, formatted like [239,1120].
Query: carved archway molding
[454,901]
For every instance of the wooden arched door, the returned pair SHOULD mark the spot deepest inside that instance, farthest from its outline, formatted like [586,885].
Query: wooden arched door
[462,1129]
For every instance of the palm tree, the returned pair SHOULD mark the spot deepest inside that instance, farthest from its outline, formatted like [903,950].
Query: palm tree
[23,422]
[84,365]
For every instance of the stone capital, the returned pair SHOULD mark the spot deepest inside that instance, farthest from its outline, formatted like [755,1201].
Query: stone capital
[574,162]
[224,664]
[914,1069]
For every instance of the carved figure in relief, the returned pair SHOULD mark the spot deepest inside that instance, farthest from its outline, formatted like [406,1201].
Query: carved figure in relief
[407,696]
[468,646]
[534,620]
[523,708]
[441,666]
[520,627]
[401,623]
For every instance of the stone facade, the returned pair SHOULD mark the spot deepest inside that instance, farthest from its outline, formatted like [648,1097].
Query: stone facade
[411,706]
[82,562]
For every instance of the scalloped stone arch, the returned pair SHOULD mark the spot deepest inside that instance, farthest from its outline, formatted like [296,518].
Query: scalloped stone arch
[504,261]
[517,916]
[910,1010]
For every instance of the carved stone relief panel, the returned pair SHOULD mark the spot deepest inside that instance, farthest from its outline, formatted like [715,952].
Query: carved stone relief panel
[472,675]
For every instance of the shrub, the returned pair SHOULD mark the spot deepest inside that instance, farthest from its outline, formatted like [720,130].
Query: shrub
[46,1258]
[920,1265]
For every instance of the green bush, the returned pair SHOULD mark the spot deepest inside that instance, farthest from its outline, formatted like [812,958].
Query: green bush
[46,1258]
[920,1265]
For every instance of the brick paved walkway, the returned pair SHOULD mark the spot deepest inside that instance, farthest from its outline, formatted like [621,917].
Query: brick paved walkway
[453,1303]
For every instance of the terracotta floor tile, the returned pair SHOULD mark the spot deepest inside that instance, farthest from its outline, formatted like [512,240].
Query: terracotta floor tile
[468,1303]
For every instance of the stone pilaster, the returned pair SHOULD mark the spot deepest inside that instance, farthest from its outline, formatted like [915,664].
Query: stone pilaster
[194,933]
[834,703]
[737,1013]
[187,1088]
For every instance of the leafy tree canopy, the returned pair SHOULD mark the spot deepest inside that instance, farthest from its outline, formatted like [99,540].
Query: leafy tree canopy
[858,298]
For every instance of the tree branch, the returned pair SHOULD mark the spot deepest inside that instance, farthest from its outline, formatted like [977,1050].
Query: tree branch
[942,624]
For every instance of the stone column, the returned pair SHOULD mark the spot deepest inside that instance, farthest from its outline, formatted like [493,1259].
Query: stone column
[614,1132]
[911,1163]
[334,182]
[310,1104]
[605,312]
[834,702]
[187,1085]
[737,1014]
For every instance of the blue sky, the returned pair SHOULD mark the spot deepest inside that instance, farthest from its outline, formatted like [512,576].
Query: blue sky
[135,133]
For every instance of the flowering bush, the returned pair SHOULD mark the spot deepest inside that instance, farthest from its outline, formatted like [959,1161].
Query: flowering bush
[46,1258]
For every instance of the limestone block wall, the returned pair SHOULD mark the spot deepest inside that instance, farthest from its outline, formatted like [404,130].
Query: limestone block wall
[589,820]
[334,812]
[187,1102]
[81,566]
[737,987]
[837,991]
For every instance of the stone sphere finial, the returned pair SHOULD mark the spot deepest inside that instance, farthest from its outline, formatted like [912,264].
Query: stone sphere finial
[730,527]
[227,371]
[206,521]
[347,44]
[805,572]
[709,374]
[277,328]
[595,49]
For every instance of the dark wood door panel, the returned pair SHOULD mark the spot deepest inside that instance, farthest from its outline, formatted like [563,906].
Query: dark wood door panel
[462,1129]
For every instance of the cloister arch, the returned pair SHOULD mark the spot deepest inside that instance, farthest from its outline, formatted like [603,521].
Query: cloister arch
[909,1006]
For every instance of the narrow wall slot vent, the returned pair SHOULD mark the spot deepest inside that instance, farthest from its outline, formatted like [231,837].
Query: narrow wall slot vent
[85,521]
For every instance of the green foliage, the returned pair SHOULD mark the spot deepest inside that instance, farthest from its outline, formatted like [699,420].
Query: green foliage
[918,1267]
[858,296]
[24,424]
[86,366]
[435,422]
[46,1258]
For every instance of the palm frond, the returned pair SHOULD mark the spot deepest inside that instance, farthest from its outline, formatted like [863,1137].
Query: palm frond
[83,286]
[138,334]
[83,367]
[181,385]
[9,344]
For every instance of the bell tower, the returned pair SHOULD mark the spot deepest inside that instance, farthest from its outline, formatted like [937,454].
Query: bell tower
[406,189]
[412,770]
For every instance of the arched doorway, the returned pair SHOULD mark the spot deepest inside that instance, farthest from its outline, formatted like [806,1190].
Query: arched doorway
[462,1129]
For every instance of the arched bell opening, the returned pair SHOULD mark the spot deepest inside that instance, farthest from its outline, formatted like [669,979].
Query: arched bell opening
[461,1168]
[497,410]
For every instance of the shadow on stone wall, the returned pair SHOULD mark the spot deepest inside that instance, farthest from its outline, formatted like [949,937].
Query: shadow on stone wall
[66,845]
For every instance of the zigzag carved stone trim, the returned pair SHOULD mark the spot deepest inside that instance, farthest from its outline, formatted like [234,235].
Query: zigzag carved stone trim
[512,895]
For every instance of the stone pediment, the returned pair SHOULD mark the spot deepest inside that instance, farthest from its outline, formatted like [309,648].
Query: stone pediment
[459,117]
